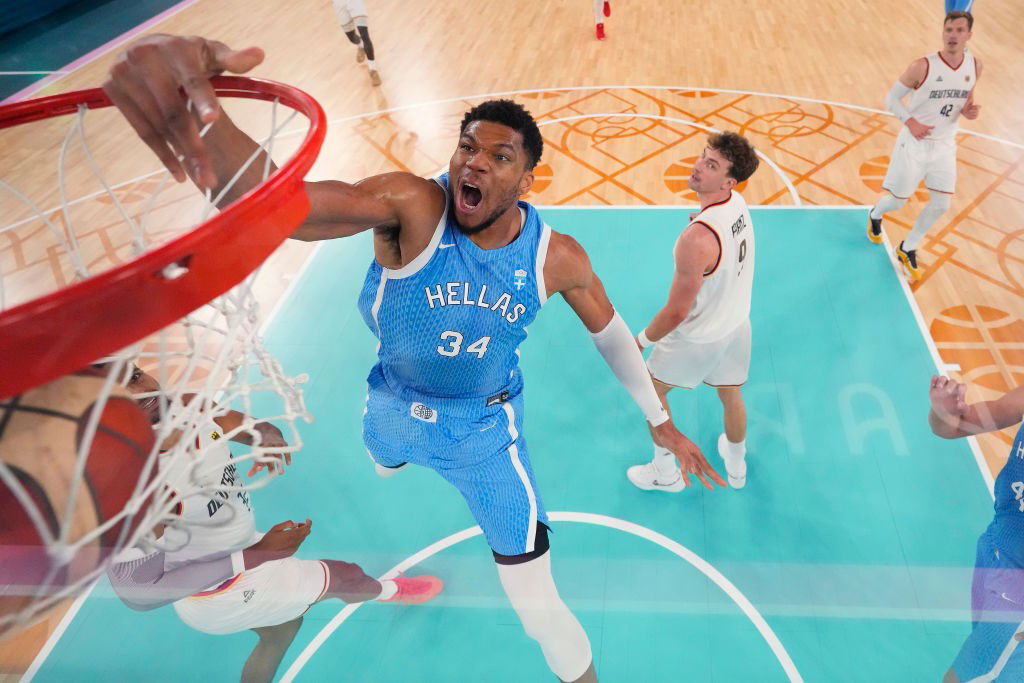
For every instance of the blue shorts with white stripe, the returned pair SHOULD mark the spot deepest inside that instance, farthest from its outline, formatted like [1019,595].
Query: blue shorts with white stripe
[991,653]
[484,456]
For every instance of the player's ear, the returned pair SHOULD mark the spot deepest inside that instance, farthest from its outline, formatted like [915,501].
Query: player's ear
[729,183]
[526,182]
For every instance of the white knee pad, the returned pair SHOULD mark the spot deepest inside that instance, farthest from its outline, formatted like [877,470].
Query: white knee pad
[545,618]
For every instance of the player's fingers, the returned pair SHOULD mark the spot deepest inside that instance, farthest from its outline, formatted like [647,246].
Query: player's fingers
[235,61]
[179,122]
[193,74]
[715,477]
[134,112]
[961,392]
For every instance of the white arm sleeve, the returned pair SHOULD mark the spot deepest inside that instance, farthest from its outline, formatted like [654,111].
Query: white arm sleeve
[894,103]
[616,344]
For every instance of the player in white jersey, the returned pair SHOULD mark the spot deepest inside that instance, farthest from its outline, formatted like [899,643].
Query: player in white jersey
[602,9]
[220,573]
[702,333]
[352,17]
[941,88]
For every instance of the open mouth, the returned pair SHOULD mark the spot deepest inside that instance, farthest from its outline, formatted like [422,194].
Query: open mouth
[469,197]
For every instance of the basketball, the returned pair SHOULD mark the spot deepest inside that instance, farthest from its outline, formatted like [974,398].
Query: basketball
[52,503]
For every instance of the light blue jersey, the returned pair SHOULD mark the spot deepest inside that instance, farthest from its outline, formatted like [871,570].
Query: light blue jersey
[1007,528]
[997,592]
[450,322]
[446,391]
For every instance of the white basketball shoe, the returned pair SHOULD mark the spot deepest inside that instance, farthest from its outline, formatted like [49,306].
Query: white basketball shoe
[649,478]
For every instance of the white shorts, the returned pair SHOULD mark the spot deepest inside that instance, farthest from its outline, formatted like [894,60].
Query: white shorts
[347,10]
[273,593]
[912,160]
[685,364]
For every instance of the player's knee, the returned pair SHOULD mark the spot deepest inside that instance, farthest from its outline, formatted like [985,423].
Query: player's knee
[730,395]
[939,202]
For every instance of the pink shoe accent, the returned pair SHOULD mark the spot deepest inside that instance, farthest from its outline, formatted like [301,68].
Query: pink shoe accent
[416,590]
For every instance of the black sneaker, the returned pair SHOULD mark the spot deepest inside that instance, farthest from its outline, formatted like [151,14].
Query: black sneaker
[874,229]
[909,261]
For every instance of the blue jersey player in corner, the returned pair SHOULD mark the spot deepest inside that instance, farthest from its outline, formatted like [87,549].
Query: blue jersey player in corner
[992,651]
[461,268]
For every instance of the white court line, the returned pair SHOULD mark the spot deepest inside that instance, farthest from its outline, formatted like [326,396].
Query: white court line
[942,367]
[665,542]
[51,642]
[657,117]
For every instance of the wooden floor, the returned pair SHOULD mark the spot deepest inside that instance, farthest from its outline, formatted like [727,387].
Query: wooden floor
[779,73]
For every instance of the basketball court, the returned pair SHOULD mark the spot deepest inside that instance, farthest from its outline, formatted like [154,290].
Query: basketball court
[847,556]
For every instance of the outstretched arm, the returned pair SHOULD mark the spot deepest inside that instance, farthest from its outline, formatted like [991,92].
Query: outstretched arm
[144,84]
[568,270]
[951,418]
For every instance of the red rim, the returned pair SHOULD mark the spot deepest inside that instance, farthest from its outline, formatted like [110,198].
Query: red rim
[65,330]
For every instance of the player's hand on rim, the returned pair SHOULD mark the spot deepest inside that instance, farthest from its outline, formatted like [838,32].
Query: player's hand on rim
[691,460]
[144,84]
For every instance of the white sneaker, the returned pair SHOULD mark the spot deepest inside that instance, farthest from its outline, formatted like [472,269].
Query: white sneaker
[388,471]
[737,475]
[648,478]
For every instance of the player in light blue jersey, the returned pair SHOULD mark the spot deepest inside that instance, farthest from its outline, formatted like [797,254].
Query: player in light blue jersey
[460,268]
[992,651]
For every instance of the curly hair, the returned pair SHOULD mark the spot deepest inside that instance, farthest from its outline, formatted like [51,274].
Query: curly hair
[513,115]
[738,151]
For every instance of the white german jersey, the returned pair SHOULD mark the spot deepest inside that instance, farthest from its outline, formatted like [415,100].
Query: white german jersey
[723,302]
[219,521]
[942,95]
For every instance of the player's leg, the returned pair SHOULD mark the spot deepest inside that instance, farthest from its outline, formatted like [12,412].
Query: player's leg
[273,642]
[599,19]
[358,10]
[906,168]
[348,26]
[728,378]
[530,588]
[732,444]
[502,495]
[349,583]
[992,651]
[940,179]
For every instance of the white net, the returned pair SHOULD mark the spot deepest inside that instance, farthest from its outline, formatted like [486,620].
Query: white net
[73,204]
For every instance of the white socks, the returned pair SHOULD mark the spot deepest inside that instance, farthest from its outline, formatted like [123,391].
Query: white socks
[886,204]
[664,461]
[388,589]
[733,453]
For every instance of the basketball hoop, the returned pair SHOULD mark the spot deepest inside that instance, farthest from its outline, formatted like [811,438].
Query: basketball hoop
[175,299]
